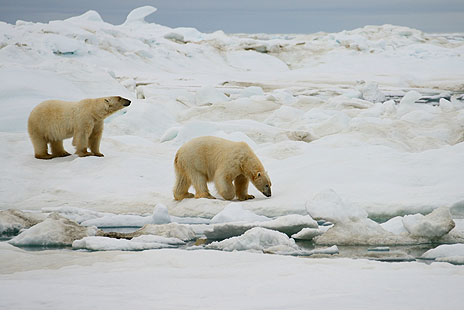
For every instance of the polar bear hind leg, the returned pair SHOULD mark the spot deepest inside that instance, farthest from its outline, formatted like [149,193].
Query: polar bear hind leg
[40,147]
[182,185]
[57,148]
[199,182]
[224,186]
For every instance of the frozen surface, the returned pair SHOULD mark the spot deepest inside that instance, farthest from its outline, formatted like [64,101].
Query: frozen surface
[204,279]
[355,128]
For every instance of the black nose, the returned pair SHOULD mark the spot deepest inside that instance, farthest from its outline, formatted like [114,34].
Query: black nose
[126,103]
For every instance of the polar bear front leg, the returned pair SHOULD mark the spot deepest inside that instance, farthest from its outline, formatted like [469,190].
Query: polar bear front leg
[199,182]
[224,186]
[80,140]
[95,139]
[241,188]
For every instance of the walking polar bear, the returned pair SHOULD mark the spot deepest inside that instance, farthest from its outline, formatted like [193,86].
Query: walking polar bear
[52,121]
[231,165]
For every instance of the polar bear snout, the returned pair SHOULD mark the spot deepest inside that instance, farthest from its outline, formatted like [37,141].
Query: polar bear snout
[124,102]
[267,191]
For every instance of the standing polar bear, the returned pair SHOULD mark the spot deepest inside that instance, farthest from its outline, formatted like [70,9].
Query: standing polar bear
[52,121]
[231,165]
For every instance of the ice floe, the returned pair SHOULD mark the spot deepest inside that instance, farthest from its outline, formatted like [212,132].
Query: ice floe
[352,227]
[307,233]
[98,243]
[13,221]
[172,230]
[431,226]
[257,239]
[53,231]
[446,253]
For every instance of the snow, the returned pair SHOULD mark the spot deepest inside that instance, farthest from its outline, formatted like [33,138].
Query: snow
[160,215]
[234,212]
[209,96]
[357,128]
[138,15]
[329,205]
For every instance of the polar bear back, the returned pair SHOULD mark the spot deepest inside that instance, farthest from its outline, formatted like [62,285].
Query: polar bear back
[206,154]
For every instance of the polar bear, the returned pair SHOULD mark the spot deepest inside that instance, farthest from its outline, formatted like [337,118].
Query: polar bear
[52,121]
[231,165]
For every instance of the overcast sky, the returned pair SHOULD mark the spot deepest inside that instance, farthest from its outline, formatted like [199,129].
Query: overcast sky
[255,16]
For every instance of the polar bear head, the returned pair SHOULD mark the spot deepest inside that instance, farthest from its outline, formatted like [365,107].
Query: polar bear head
[262,182]
[115,103]
[104,107]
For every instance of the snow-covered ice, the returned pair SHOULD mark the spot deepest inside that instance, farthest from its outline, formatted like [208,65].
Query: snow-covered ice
[205,279]
[234,212]
[446,253]
[256,238]
[138,243]
[410,229]
[433,225]
[307,233]
[53,231]
[357,128]
[13,221]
